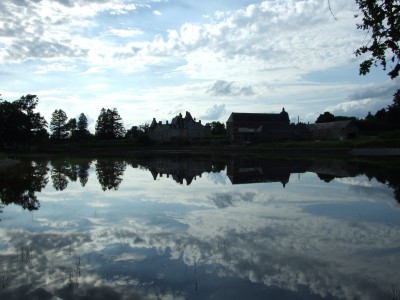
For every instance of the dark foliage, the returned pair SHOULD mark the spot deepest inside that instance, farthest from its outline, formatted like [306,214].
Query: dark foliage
[58,125]
[109,125]
[325,118]
[385,119]
[20,186]
[109,173]
[19,124]
[217,128]
[381,19]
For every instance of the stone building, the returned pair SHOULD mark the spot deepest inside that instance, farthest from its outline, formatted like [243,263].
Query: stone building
[254,127]
[180,129]
[251,127]
[339,130]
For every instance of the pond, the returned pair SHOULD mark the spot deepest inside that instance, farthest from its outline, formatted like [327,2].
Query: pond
[199,227]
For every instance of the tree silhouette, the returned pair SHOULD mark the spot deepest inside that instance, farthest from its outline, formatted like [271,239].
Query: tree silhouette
[325,117]
[19,124]
[381,19]
[58,125]
[109,125]
[72,127]
[81,128]
[217,128]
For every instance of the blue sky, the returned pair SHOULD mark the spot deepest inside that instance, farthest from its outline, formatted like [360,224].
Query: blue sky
[158,58]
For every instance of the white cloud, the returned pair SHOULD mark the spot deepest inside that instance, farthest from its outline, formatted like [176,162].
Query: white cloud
[124,33]
[215,112]
[356,108]
[261,53]
[376,91]
[56,67]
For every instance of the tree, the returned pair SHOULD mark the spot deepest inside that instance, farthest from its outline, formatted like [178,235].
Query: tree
[82,123]
[58,125]
[36,123]
[217,128]
[325,117]
[133,133]
[109,125]
[393,111]
[14,125]
[80,132]
[71,126]
[19,124]
[381,19]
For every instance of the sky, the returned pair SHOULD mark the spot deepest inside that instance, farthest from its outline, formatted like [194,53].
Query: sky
[158,58]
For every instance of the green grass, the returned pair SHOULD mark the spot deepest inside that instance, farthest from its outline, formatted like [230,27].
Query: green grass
[2,156]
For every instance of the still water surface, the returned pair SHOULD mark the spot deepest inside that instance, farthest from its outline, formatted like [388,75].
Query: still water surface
[199,228]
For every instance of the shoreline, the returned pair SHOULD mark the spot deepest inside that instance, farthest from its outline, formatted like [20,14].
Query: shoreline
[343,152]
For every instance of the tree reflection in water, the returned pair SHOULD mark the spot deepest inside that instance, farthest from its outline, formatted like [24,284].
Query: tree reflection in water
[72,169]
[19,184]
[83,172]
[255,244]
[59,171]
[109,173]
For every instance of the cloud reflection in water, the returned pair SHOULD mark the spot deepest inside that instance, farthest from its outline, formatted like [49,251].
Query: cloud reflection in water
[166,240]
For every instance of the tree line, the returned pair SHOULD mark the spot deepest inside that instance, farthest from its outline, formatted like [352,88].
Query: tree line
[385,119]
[21,126]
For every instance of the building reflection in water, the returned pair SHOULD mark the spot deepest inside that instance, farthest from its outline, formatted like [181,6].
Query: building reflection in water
[180,169]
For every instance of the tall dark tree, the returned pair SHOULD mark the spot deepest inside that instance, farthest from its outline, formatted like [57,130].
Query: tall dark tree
[72,125]
[82,124]
[13,124]
[19,124]
[109,124]
[381,20]
[101,124]
[325,117]
[58,125]
[37,124]
[80,132]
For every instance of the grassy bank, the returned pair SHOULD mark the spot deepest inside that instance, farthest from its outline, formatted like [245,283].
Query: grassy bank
[382,140]
[219,144]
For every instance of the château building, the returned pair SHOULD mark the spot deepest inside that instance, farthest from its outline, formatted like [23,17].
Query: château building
[180,129]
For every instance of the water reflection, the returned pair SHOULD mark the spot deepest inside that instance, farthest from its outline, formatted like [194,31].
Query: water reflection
[20,184]
[180,169]
[332,232]
[110,172]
